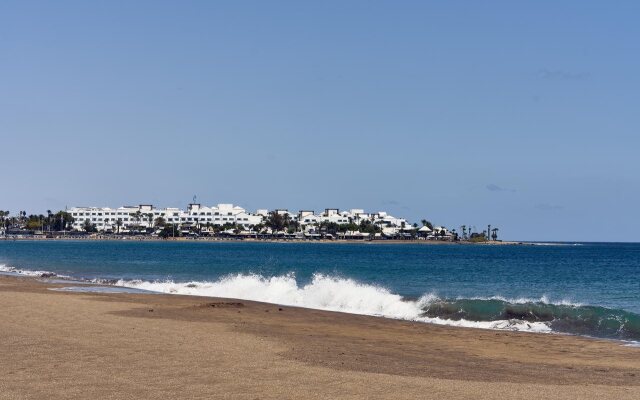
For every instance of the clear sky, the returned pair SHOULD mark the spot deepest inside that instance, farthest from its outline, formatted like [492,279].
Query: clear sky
[524,115]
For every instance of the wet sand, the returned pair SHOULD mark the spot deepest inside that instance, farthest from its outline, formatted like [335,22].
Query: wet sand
[59,345]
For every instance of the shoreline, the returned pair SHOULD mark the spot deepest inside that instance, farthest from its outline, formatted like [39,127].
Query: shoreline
[59,344]
[250,240]
[111,285]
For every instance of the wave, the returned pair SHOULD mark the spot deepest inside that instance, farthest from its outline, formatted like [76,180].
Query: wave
[27,272]
[559,317]
[323,292]
[346,295]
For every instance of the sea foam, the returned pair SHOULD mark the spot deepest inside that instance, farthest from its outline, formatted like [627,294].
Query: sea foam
[331,293]
[26,272]
[325,293]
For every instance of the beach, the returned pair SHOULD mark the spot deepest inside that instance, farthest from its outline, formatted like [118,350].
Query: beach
[125,345]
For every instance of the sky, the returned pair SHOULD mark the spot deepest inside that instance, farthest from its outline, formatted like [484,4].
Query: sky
[522,115]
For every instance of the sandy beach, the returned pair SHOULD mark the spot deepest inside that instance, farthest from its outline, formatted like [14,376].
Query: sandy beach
[130,346]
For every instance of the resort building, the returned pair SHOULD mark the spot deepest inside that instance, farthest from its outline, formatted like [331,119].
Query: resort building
[145,216]
[207,219]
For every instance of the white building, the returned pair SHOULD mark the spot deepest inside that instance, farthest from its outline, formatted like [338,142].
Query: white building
[145,217]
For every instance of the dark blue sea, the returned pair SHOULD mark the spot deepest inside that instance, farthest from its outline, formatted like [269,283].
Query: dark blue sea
[588,289]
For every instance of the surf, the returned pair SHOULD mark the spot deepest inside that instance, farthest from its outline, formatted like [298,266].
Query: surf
[340,294]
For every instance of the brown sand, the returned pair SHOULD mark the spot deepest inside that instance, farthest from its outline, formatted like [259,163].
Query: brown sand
[131,346]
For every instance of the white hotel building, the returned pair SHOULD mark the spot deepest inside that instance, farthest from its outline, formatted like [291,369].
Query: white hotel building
[145,215]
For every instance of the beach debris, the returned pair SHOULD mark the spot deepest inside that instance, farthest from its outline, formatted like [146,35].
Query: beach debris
[221,304]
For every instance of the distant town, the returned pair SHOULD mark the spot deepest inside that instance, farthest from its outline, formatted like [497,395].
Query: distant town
[229,221]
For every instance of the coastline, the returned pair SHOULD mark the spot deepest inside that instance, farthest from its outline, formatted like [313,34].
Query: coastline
[76,345]
[249,240]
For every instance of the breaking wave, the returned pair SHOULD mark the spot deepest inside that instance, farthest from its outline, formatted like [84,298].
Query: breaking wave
[346,295]
[27,272]
[349,296]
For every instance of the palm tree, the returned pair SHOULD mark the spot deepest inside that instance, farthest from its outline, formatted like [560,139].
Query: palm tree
[427,224]
[137,216]
[494,235]
[159,222]
[286,220]
[118,224]
[3,218]
[464,231]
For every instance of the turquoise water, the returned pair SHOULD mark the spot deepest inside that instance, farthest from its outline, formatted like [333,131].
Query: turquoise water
[590,289]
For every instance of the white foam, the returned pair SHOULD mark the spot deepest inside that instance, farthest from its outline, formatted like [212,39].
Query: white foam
[325,293]
[26,272]
[322,293]
[526,300]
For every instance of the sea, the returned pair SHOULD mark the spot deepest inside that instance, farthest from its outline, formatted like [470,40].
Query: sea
[589,289]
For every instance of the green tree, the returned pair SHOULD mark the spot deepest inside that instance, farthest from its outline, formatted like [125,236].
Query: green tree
[49,214]
[88,226]
[136,217]
[428,224]
[169,230]
[276,222]
[257,228]
[34,222]
[4,220]
[61,221]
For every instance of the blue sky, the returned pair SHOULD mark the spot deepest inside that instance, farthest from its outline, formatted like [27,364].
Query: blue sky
[519,114]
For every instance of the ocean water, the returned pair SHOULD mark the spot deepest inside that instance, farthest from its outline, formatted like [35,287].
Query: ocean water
[587,288]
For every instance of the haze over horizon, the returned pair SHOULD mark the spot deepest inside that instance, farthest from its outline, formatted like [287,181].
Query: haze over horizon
[519,116]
